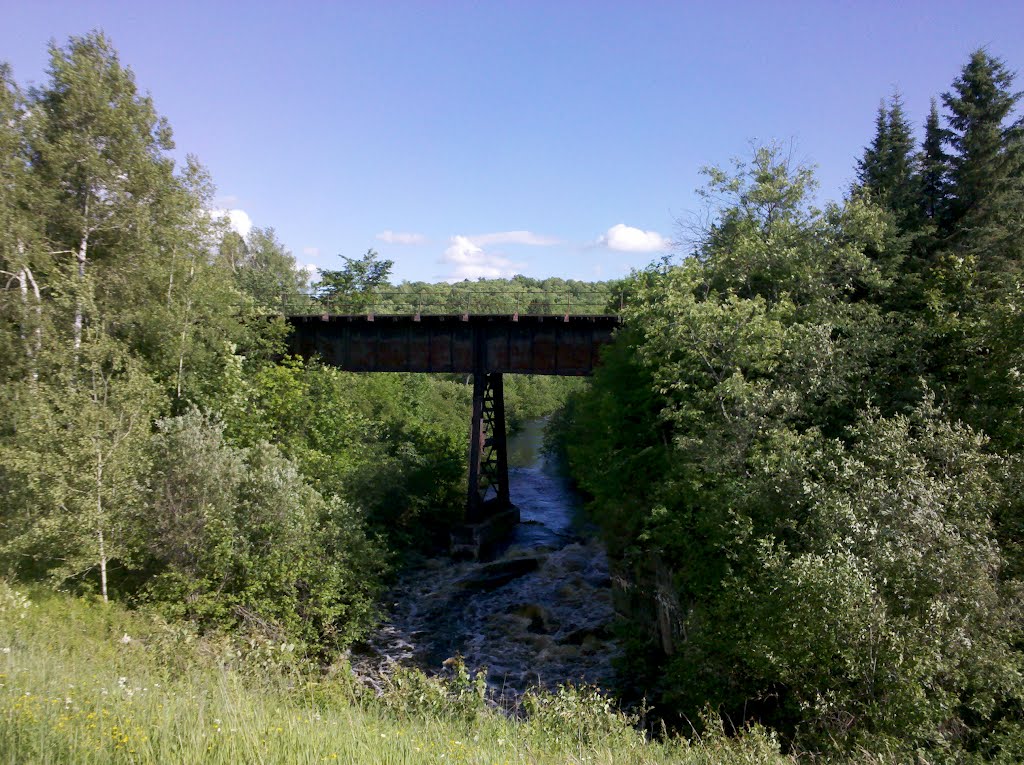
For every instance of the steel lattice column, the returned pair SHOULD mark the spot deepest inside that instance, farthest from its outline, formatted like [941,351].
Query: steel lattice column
[488,449]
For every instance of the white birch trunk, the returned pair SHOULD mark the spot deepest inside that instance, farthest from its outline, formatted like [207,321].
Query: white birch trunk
[99,524]
[81,255]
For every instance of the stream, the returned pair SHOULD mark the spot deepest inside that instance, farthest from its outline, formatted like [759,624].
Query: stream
[544,621]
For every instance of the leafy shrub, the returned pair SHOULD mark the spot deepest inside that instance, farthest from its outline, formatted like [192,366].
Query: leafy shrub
[240,538]
[580,716]
[462,697]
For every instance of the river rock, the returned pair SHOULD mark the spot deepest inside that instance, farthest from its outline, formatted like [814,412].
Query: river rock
[588,634]
[494,575]
[540,618]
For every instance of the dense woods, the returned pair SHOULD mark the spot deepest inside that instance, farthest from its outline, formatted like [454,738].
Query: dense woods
[812,425]
[805,448]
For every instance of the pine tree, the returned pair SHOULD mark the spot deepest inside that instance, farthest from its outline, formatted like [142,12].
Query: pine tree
[887,167]
[869,167]
[975,285]
[985,150]
[934,163]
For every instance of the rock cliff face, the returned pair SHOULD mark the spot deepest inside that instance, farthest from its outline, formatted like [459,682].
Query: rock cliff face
[643,593]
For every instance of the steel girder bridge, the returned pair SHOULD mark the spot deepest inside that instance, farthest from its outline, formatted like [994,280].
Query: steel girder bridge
[484,345]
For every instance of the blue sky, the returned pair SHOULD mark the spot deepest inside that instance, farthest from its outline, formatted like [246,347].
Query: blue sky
[543,138]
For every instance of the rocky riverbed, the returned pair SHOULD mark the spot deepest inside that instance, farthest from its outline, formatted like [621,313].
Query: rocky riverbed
[538,613]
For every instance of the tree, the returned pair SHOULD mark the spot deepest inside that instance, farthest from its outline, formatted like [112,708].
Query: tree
[986,151]
[75,468]
[887,609]
[100,156]
[974,292]
[934,164]
[265,270]
[21,257]
[354,285]
[887,168]
[240,538]
[734,430]
[768,240]
[180,307]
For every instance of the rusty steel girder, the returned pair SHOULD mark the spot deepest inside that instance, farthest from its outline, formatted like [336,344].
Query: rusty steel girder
[539,345]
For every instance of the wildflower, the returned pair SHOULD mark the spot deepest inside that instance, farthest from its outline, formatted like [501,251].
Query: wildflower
[126,639]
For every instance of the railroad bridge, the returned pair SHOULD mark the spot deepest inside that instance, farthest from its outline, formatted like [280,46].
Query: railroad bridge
[484,345]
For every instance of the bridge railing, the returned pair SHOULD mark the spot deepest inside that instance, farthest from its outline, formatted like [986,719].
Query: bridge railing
[456,302]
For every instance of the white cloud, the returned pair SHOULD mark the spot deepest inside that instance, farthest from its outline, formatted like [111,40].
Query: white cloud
[628,239]
[472,262]
[311,252]
[238,220]
[401,237]
[513,237]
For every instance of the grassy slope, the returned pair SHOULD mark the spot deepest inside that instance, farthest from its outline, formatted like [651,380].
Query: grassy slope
[74,690]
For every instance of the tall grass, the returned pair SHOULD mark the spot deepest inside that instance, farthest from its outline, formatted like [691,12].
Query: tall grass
[85,683]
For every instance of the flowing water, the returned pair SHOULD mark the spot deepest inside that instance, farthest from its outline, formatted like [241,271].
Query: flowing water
[537,614]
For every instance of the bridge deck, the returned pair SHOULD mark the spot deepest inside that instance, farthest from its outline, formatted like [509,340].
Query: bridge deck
[546,345]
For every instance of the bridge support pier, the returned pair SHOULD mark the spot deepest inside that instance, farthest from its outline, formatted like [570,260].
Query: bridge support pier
[488,450]
[490,514]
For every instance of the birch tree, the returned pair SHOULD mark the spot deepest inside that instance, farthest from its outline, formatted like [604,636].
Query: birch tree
[76,468]
[21,316]
[101,156]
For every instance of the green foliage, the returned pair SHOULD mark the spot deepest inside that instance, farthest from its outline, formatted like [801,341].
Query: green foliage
[775,419]
[519,294]
[410,693]
[75,468]
[240,537]
[886,603]
[986,152]
[354,285]
[391,444]
[263,269]
[531,397]
[581,716]
[817,419]
[887,168]
[934,168]
[129,305]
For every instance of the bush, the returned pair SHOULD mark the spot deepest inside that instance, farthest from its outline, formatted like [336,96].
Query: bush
[240,538]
